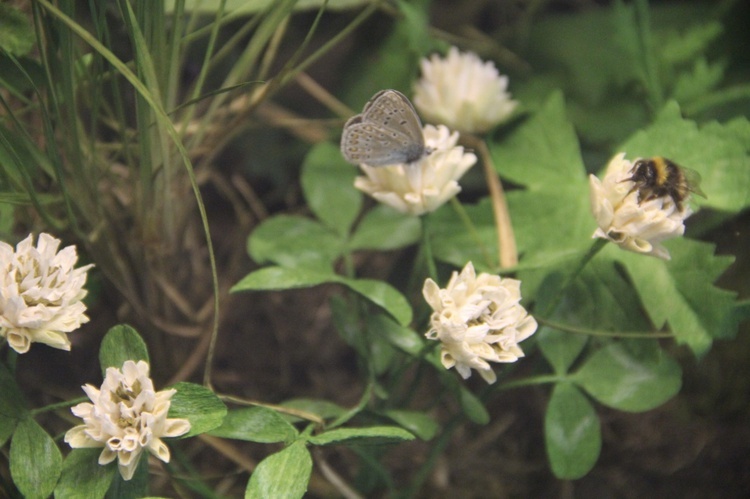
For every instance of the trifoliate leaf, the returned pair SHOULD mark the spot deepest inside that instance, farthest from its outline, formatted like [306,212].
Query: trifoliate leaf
[35,460]
[255,424]
[720,153]
[83,477]
[283,474]
[121,343]
[328,183]
[374,435]
[12,404]
[294,241]
[199,405]
[630,379]
[571,433]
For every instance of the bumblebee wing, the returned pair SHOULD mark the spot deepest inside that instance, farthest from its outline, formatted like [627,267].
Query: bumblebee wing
[693,180]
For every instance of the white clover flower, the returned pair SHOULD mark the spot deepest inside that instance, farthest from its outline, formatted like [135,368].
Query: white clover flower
[633,225]
[126,417]
[479,320]
[463,92]
[40,293]
[424,185]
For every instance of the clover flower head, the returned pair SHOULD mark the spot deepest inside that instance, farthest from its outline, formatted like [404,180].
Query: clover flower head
[632,224]
[40,293]
[478,319]
[424,185]
[125,417]
[463,92]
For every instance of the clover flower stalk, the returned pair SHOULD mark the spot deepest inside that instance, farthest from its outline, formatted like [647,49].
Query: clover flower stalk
[624,219]
[463,92]
[125,417]
[424,185]
[41,293]
[478,319]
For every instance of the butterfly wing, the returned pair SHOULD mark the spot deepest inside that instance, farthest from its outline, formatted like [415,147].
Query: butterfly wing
[391,110]
[387,132]
[375,145]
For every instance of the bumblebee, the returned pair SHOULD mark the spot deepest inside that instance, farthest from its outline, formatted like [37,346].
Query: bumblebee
[659,177]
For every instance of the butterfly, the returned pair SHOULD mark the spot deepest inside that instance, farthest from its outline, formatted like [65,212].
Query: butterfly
[387,132]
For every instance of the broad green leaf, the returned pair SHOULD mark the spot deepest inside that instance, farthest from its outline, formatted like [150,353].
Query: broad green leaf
[328,183]
[397,335]
[284,474]
[276,278]
[418,423]
[378,292]
[83,477]
[720,153]
[384,295]
[294,241]
[17,36]
[472,406]
[12,404]
[199,405]
[680,292]
[35,460]
[121,343]
[321,408]
[635,379]
[255,424]
[383,228]
[374,435]
[571,433]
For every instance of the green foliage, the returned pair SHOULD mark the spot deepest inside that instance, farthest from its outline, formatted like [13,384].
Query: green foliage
[12,404]
[82,476]
[17,35]
[199,405]
[283,474]
[121,343]
[635,376]
[35,460]
[255,424]
[572,433]
[373,435]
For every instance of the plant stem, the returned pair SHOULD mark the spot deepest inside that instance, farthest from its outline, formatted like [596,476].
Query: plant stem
[427,248]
